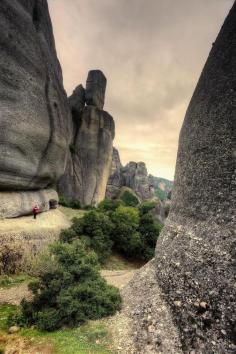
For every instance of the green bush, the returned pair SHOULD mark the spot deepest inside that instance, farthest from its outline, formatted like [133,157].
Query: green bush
[149,231]
[70,293]
[128,230]
[125,232]
[109,205]
[63,201]
[94,229]
[129,198]
[145,207]
[74,203]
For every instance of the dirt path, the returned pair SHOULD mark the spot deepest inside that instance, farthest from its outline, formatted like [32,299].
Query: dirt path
[15,294]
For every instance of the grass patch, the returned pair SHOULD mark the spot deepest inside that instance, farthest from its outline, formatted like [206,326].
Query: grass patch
[118,262]
[5,311]
[72,213]
[10,281]
[93,337]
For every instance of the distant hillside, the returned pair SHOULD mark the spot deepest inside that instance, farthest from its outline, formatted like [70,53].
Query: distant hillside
[161,186]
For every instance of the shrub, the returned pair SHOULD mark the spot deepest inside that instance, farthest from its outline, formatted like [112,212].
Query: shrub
[129,198]
[109,205]
[63,201]
[71,292]
[125,232]
[145,207]
[94,229]
[10,259]
[74,203]
[149,231]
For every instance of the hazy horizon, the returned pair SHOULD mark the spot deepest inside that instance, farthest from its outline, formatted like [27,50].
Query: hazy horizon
[152,53]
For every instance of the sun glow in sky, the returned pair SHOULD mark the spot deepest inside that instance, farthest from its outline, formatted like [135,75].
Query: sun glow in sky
[152,53]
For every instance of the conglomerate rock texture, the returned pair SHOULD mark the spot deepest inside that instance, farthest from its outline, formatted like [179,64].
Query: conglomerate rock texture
[89,162]
[195,261]
[134,175]
[35,120]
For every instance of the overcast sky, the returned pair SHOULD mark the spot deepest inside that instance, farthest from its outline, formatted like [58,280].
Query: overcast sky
[152,53]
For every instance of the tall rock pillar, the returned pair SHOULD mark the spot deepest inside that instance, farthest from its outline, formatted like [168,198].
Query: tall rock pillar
[90,156]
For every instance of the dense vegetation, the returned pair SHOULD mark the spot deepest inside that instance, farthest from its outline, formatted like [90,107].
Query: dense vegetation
[74,204]
[69,291]
[129,230]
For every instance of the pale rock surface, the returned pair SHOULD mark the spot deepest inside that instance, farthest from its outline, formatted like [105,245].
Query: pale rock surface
[35,121]
[14,204]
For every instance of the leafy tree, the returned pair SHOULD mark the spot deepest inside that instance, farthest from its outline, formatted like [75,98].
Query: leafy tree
[145,207]
[149,231]
[95,229]
[129,198]
[125,232]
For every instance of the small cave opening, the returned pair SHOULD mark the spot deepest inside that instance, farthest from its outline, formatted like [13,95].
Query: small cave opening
[53,204]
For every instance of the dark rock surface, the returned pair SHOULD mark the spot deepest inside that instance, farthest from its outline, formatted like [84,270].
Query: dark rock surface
[89,161]
[35,123]
[195,255]
[77,100]
[115,181]
[95,89]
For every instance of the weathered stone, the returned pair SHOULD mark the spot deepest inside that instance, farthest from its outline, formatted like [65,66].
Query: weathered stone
[13,329]
[35,122]
[77,101]
[133,175]
[88,167]
[95,89]
[116,180]
[14,204]
[200,231]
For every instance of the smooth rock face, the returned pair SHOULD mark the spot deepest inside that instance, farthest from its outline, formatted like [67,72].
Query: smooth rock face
[195,255]
[35,121]
[15,204]
[90,157]
[95,89]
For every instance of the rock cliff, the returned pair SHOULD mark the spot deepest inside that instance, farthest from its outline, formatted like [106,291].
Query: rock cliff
[195,263]
[35,121]
[89,161]
[134,175]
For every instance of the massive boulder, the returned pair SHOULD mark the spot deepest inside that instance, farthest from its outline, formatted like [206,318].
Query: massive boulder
[88,165]
[195,263]
[35,121]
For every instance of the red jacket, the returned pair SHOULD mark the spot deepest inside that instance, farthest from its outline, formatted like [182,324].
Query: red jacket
[35,210]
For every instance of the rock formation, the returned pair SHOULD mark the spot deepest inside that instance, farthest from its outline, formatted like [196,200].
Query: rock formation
[35,123]
[134,175]
[88,166]
[195,263]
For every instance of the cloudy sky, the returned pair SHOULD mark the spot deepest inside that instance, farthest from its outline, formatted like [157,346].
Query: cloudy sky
[152,53]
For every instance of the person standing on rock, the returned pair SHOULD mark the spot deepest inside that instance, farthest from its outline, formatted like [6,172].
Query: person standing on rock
[35,211]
